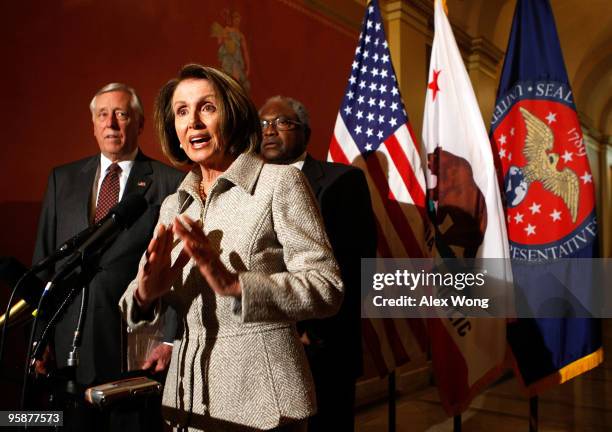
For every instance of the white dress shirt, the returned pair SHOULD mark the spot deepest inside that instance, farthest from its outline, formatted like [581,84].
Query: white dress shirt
[299,162]
[125,165]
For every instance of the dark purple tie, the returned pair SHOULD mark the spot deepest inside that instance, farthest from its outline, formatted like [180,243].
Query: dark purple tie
[109,192]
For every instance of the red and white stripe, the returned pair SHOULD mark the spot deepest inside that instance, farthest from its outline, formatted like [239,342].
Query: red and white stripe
[397,188]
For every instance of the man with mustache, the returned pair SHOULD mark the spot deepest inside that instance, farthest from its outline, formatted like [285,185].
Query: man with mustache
[80,194]
[333,345]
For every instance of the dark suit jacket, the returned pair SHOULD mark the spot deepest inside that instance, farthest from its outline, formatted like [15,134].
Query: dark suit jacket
[65,212]
[344,200]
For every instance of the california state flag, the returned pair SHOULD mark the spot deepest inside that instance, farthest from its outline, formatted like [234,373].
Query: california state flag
[466,209]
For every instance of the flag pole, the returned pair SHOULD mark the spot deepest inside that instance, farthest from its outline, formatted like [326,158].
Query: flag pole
[457,423]
[391,389]
[533,414]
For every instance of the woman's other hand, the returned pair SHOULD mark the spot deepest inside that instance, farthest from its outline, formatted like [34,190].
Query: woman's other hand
[156,276]
[198,247]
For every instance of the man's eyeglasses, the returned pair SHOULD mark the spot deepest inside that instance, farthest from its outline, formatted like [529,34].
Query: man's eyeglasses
[280,124]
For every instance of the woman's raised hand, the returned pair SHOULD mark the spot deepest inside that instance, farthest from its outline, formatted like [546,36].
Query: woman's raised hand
[158,273]
[197,246]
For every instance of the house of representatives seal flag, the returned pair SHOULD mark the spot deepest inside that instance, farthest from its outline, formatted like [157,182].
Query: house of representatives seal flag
[372,132]
[549,191]
[466,207]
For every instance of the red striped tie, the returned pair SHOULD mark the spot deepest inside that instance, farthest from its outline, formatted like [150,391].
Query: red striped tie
[109,192]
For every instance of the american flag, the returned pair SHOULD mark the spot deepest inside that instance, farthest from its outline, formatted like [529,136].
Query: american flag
[372,132]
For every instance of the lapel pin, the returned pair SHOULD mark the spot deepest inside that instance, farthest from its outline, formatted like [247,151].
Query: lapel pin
[142,184]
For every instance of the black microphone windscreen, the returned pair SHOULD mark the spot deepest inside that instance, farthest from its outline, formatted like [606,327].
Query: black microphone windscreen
[129,209]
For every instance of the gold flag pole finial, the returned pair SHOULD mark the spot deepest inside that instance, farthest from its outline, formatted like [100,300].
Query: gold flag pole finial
[445,7]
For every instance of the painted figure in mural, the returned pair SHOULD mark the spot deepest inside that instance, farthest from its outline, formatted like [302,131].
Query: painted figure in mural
[241,253]
[233,51]
[333,345]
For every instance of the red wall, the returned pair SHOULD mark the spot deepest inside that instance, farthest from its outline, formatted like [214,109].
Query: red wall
[58,53]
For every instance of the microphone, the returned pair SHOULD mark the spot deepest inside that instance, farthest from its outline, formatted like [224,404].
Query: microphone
[120,217]
[70,245]
[67,248]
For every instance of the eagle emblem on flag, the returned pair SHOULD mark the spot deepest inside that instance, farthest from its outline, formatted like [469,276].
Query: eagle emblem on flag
[547,180]
[542,163]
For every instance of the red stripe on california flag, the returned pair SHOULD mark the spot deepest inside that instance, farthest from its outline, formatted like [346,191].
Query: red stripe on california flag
[452,381]
[336,153]
[405,170]
[396,216]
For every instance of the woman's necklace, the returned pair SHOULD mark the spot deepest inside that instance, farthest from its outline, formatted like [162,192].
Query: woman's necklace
[202,190]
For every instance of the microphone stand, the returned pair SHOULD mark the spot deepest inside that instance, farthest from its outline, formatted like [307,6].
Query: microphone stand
[65,391]
[73,355]
[72,389]
[90,245]
[7,315]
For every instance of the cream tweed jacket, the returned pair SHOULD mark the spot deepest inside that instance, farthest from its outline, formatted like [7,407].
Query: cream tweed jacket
[239,364]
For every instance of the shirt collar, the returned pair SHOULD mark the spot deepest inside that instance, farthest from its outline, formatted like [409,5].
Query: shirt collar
[125,164]
[299,162]
[243,172]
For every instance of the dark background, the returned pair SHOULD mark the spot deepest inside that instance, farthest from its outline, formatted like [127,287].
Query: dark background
[58,53]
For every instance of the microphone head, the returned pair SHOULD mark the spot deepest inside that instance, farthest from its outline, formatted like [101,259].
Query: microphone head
[128,210]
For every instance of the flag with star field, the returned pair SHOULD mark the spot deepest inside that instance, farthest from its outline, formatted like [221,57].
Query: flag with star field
[372,132]
[549,192]
[465,205]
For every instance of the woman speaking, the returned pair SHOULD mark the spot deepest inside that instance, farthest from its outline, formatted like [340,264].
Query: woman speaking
[241,253]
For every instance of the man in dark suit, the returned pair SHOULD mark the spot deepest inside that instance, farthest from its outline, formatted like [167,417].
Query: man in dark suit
[333,345]
[80,193]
